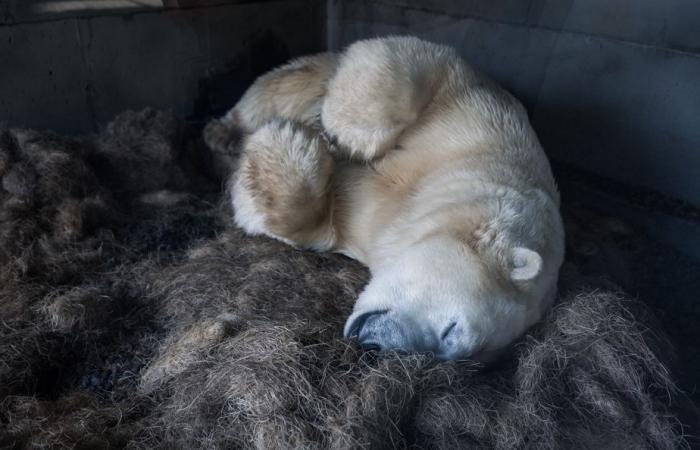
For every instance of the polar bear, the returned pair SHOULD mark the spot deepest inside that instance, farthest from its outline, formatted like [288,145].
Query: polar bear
[400,155]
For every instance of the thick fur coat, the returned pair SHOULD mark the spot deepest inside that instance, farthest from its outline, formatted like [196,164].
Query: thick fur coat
[398,154]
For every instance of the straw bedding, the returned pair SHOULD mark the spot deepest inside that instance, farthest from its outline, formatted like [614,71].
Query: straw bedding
[134,315]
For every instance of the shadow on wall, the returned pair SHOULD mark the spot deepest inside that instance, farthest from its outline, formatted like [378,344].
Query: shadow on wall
[618,97]
[219,91]
[73,74]
[588,135]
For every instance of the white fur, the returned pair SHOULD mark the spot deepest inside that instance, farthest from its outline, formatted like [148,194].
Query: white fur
[246,212]
[453,206]
[279,146]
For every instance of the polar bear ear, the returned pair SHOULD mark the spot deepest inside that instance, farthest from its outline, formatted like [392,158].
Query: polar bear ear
[527,264]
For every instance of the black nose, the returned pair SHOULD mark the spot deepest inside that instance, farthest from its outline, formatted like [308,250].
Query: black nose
[384,330]
[379,330]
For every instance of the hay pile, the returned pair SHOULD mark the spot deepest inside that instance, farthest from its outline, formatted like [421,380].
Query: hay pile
[134,316]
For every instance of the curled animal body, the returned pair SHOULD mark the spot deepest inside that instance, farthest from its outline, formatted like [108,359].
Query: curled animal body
[400,155]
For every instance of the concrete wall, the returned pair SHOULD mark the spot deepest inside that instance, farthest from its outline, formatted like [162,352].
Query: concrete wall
[612,86]
[73,74]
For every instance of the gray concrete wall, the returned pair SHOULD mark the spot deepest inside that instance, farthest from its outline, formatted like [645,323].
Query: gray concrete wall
[73,74]
[612,86]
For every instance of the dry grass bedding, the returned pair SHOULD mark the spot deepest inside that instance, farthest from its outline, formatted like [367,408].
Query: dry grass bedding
[134,315]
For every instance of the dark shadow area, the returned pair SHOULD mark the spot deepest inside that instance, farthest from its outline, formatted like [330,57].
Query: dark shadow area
[607,244]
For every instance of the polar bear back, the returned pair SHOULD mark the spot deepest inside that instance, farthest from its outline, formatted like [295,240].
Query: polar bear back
[417,111]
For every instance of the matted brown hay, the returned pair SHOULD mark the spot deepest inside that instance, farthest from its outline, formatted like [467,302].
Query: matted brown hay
[133,316]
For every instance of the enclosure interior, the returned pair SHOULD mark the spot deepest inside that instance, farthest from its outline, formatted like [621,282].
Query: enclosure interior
[611,87]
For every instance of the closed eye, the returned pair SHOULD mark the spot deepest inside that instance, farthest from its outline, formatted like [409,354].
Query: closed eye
[447,331]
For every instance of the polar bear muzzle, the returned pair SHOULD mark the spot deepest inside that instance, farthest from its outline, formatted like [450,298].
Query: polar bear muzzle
[385,330]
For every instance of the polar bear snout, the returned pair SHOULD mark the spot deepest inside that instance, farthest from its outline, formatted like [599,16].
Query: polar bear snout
[383,330]
[386,330]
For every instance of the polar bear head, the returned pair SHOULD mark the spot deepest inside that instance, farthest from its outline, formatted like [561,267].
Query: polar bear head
[446,297]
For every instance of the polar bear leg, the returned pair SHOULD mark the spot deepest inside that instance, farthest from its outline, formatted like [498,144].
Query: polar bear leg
[381,87]
[293,91]
[282,186]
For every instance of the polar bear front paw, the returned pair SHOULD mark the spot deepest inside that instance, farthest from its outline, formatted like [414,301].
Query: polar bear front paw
[282,185]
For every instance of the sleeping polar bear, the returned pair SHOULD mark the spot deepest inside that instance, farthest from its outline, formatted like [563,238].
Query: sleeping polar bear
[398,154]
